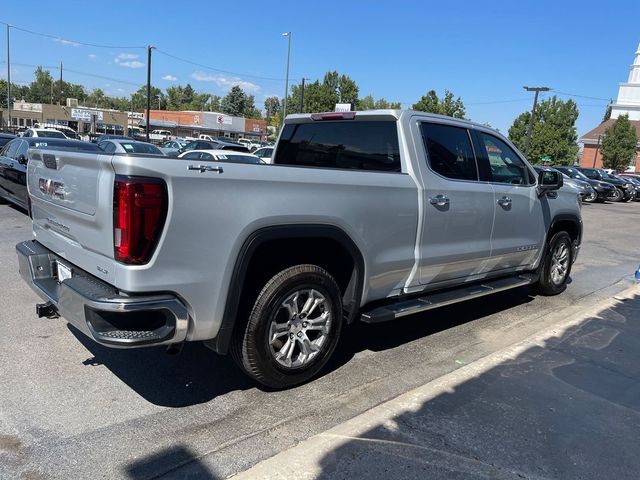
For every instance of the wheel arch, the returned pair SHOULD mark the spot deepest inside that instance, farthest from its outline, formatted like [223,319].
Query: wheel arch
[287,234]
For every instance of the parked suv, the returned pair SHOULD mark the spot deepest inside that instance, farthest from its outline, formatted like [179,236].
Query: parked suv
[602,190]
[625,191]
[366,216]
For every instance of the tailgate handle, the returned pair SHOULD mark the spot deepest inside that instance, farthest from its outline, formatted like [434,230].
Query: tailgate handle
[205,168]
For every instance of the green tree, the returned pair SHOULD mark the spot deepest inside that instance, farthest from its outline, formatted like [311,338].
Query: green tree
[367,103]
[139,98]
[323,96]
[233,103]
[450,106]
[554,132]
[96,98]
[250,110]
[382,104]
[607,114]
[271,107]
[188,94]
[619,144]
[41,88]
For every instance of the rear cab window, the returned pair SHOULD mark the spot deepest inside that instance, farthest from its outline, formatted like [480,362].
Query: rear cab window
[449,151]
[348,145]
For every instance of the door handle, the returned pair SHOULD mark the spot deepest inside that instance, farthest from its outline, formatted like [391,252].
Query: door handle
[504,202]
[205,168]
[439,200]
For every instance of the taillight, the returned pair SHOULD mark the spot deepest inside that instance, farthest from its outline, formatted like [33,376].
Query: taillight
[139,212]
[333,116]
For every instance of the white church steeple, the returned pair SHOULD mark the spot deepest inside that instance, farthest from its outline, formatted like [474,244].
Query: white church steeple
[628,101]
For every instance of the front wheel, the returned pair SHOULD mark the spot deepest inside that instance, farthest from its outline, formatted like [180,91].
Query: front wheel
[293,327]
[556,265]
[590,198]
[616,196]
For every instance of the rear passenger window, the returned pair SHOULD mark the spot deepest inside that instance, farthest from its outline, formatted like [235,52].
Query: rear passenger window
[347,145]
[449,151]
[506,165]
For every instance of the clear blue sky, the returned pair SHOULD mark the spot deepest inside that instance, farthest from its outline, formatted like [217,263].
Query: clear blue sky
[482,51]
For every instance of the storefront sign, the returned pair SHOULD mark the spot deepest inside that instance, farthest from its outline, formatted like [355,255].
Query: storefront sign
[86,115]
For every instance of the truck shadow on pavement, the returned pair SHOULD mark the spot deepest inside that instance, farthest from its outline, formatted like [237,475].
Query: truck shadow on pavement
[164,463]
[568,409]
[198,375]
[195,376]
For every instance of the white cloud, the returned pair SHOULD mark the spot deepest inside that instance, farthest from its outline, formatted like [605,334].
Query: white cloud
[131,64]
[92,56]
[170,78]
[226,82]
[128,60]
[66,42]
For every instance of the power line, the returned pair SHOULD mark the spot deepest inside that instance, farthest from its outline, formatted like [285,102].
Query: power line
[66,40]
[208,67]
[78,72]
[580,96]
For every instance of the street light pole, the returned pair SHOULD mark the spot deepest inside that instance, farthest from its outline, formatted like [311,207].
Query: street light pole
[8,82]
[149,48]
[286,81]
[533,114]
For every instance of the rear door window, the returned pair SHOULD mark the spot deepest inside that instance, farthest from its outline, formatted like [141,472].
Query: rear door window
[449,151]
[348,145]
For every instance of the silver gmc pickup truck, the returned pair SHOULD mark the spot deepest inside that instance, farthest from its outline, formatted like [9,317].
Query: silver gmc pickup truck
[363,216]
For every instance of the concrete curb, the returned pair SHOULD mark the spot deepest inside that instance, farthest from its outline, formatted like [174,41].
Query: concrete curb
[303,460]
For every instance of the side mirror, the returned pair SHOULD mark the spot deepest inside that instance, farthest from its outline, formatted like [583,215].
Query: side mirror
[549,180]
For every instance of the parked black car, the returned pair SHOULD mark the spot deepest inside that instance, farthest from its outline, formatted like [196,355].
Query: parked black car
[6,138]
[217,145]
[633,180]
[624,190]
[603,190]
[13,163]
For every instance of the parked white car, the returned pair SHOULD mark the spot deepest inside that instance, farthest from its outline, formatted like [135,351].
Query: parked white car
[230,156]
[265,153]
[43,132]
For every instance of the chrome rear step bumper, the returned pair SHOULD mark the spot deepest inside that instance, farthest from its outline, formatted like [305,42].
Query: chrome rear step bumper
[99,310]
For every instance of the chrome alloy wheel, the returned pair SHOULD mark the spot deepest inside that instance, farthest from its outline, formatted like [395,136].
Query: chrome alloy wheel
[559,263]
[299,329]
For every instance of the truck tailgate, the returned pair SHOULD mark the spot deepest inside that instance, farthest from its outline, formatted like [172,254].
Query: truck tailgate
[72,207]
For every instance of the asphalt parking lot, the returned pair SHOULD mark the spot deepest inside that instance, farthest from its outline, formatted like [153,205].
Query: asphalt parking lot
[73,409]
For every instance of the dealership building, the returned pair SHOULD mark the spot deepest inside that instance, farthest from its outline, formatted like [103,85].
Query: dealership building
[83,120]
[192,123]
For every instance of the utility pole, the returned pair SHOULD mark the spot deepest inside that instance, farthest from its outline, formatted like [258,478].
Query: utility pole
[8,82]
[149,48]
[595,155]
[61,92]
[302,97]
[286,81]
[533,114]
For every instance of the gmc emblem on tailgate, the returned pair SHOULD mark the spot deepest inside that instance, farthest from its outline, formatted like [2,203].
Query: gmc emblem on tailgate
[51,188]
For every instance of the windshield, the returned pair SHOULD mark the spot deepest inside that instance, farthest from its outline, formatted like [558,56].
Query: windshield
[140,147]
[50,134]
[573,173]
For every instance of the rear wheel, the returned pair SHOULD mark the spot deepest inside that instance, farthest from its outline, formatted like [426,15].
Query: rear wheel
[293,327]
[556,265]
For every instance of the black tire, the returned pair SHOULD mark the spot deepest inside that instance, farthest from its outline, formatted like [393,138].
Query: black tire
[617,196]
[591,198]
[631,198]
[250,346]
[546,284]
